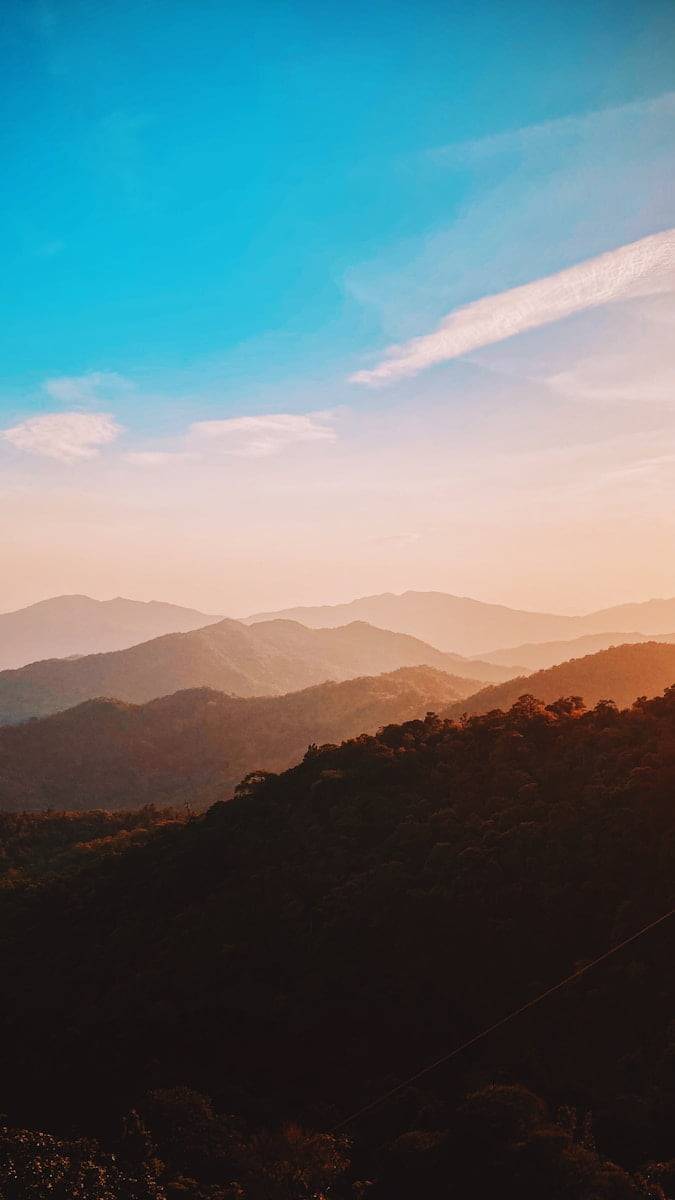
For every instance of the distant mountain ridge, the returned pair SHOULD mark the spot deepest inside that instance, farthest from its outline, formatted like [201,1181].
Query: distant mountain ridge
[69,625]
[622,674]
[467,626]
[269,658]
[536,656]
[65,626]
[195,746]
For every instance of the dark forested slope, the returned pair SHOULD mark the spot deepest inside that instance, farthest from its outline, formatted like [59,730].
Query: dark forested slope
[38,844]
[194,746]
[305,946]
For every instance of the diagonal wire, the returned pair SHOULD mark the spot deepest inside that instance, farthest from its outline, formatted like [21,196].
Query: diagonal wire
[478,1037]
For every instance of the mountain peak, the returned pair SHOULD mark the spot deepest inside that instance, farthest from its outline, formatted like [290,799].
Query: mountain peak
[62,626]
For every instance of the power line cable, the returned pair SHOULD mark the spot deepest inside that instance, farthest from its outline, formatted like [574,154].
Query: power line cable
[478,1037]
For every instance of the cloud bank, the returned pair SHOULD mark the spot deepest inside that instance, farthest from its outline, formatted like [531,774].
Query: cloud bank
[67,436]
[642,268]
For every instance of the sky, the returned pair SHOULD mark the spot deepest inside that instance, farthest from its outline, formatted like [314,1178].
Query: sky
[304,301]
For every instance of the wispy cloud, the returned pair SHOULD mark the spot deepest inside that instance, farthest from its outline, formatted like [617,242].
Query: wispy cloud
[535,200]
[87,389]
[479,150]
[265,435]
[66,436]
[645,267]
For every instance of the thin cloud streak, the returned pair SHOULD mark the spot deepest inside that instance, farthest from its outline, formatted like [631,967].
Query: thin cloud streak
[265,435]
[642,268]
[480,149]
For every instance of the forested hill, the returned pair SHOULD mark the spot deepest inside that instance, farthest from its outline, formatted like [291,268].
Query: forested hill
[38,844]
[193,747]
[262,660]
[300,949]
[621,674]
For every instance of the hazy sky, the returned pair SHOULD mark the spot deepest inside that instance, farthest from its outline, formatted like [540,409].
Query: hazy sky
[308,300]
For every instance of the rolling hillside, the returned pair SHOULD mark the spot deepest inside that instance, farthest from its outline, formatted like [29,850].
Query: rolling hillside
[621,674]
[67,625]
[195,746]
[267,659]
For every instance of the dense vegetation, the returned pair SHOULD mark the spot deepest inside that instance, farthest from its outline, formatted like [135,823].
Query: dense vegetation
[267,659]
[296,952]
[621,674]
[193,747]
[36,844]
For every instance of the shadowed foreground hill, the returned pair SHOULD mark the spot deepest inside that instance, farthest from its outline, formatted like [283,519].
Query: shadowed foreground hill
[67,625]
[299,950]
[196,745]
[621,674]
[36,844]
[266,659]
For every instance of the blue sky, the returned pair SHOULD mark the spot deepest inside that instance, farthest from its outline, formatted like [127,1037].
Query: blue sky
[182,179]
[220,212]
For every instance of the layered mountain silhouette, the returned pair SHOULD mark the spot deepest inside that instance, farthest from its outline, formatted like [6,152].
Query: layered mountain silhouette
[270,658]
[535,656]
[469,626]
[78,625]
[67,625]
[195,746]
[620,674]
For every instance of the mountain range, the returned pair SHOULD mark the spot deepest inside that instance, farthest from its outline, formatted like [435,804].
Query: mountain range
[471,627]
[78,625]
[620,674]
[67,625]
[535,656]
[269,658]
[194,746]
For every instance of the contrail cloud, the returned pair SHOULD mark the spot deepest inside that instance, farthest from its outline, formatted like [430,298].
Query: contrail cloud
[642,268]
